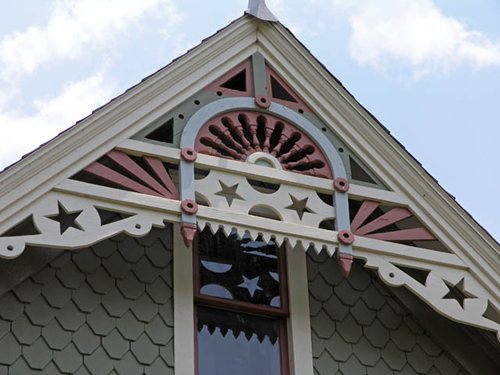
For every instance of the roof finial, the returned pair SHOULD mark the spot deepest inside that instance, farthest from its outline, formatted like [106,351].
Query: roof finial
[259,9]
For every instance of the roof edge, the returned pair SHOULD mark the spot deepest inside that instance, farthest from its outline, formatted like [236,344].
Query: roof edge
[49,161]
[374,139]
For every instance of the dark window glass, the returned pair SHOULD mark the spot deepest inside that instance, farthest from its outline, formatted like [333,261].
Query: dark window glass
[239,269]
[232,343]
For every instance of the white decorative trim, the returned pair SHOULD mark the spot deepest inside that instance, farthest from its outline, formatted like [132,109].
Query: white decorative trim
[444,272]
[315,210]
[248,170]
[410,255]
[269,229]
[299,323]
[390,198]
[196,122]
[85,227]
[253,171]
[444,269]
[170,211]
[184,345]
[383,154]
[81,199]
[256,157]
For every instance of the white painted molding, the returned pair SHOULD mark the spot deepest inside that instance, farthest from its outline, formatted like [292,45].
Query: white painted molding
[249,170]
[437,285]
[299,323]
[82,200]
[184,345]
[412,256]
[278,176]
[248,197]
[84,230]
[267,228]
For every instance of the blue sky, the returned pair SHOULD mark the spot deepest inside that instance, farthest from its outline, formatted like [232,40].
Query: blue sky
[429,70]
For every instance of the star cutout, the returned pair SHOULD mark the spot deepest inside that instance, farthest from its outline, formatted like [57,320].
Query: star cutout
[457,292]
[229,192]
[250,285]
[300,206]
[66,219]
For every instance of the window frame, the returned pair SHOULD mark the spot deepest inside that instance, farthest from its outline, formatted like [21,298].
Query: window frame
[280,315]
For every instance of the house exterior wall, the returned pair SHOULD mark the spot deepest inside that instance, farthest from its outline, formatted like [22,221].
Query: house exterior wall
[107,309]
[358,327]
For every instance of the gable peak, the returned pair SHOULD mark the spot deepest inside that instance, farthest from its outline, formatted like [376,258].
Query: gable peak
[259,9]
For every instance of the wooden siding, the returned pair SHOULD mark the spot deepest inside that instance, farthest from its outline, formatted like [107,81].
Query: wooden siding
[107,309]
[359,328]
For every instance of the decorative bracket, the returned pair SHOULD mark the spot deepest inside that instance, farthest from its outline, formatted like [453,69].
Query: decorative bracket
[431,275]
[72,222]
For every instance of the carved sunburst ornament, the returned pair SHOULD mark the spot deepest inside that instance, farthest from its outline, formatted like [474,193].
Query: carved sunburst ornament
[239,135]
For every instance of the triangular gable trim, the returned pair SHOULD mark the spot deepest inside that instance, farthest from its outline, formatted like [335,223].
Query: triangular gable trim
[225,84]
[114,124]
[280,92]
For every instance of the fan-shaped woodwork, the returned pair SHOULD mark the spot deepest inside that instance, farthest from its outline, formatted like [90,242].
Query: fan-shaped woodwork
[237,135]
[126,173]
[362,226]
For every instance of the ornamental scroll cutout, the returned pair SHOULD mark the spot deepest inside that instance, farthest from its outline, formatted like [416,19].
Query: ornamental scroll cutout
[65,221]
[451,291]
[239,199]
[122,170]
[238,135]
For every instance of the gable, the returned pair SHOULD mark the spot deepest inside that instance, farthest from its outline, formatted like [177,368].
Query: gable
[144,145]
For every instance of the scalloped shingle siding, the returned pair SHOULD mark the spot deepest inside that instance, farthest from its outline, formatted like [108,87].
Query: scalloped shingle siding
[103,310]
[358,328]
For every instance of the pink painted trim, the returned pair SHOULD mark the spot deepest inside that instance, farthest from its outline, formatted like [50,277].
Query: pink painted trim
[263,101]
[345,262]
[216,85]
[110,175]
[189,154]
[346,237]
[135,169]
[159,169]
[189,206]
[234,136]
[391,217]
[414,234]
[341,185]
[188,232]
[299,105]
[366,209]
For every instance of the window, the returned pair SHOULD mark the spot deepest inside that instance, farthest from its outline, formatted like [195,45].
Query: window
[241,306]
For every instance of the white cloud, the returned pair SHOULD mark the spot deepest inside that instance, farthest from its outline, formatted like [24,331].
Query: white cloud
[74,27]
[415,32]
[25,133]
